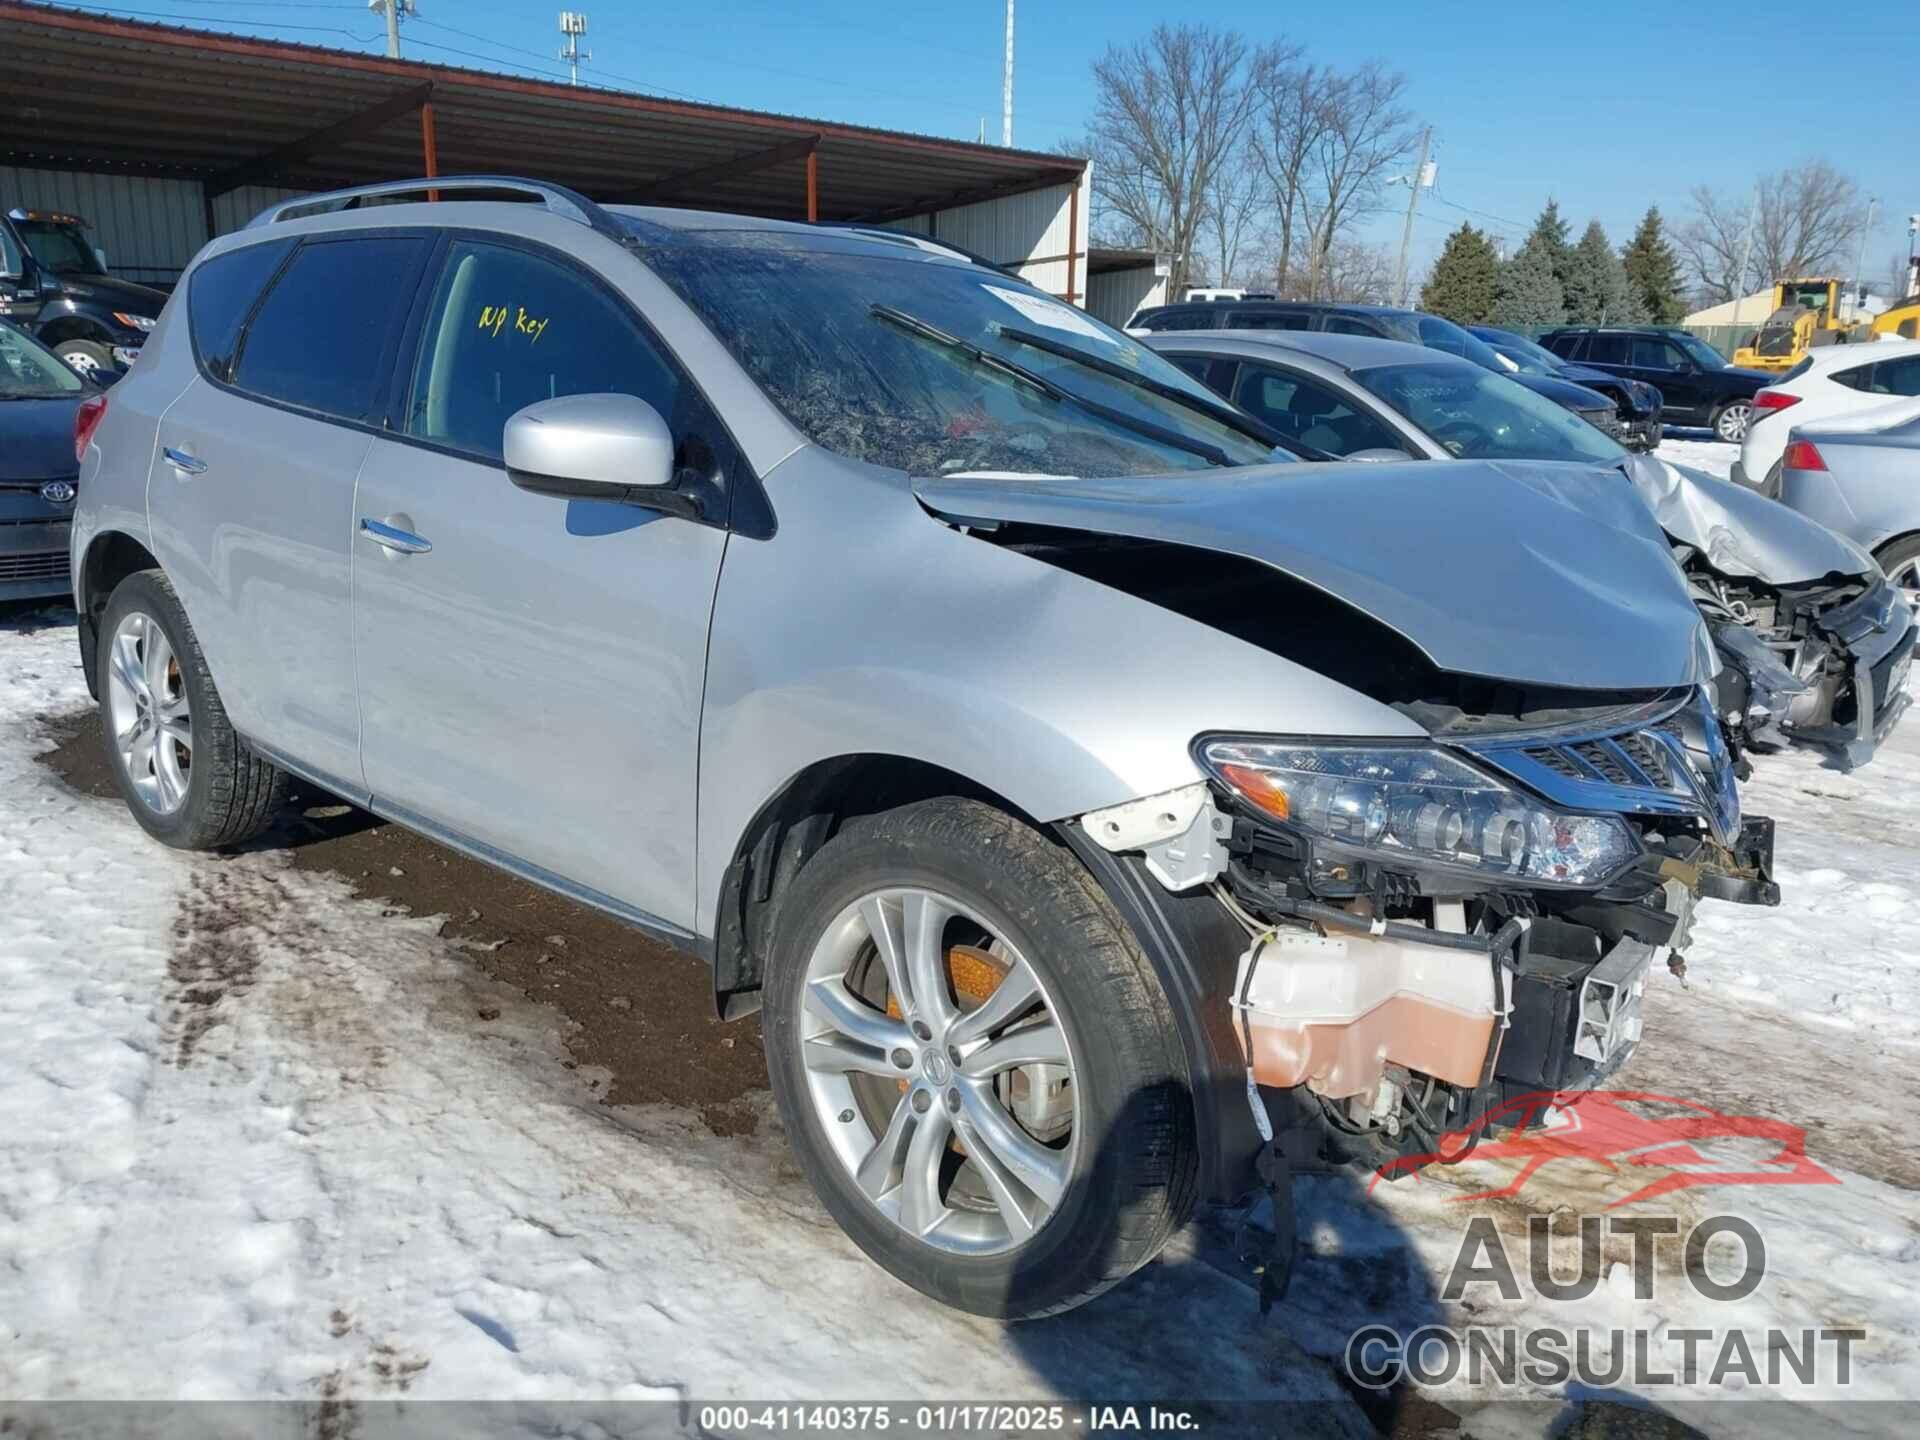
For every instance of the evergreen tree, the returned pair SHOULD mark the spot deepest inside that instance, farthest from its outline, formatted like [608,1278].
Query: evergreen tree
[1653,271]
[1529,293]
[1465,280]
[1549,233]
[1596,289]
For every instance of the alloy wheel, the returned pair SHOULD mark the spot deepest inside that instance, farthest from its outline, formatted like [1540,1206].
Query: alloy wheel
[1732,424]
[148,712]
[939,1071]
[1906,576]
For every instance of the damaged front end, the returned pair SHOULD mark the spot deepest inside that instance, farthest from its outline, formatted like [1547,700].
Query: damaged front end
[1434,928]
[1815,643]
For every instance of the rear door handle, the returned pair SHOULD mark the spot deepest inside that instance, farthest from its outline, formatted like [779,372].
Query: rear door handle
[404,541]
[184,461]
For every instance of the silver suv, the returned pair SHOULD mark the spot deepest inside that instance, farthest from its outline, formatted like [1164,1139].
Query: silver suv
[1108,810]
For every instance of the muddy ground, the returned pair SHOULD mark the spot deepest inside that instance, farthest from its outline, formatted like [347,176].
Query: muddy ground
[640,1010]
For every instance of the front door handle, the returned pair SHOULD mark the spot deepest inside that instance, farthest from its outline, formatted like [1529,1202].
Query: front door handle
[185,462]
[394,538]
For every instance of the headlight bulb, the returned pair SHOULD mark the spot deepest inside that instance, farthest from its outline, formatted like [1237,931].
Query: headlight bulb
[1426,824]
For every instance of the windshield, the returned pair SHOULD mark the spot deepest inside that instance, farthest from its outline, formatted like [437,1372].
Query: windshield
[1476,415]
[63,249]
[1704,355]
[1529,358]
[904,362]
[30,372]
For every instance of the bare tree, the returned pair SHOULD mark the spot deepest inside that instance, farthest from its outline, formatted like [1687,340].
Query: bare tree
[1366,134]
[1358,274]
[1234,210]
[1288,122]
[1807,219]
[1169,113]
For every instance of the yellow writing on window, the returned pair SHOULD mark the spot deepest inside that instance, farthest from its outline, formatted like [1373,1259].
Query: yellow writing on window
[494,319]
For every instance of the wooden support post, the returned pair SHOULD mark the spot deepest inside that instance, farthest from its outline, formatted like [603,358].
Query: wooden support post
[1073,236]
[429,146]
[813,187]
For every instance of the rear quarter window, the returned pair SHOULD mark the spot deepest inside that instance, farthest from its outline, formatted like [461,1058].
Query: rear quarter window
[220,296]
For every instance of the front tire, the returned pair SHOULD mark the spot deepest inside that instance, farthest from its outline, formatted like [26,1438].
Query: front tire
[1901,561]
[1731,419]
[87,356]
[975,1062]
[189,780]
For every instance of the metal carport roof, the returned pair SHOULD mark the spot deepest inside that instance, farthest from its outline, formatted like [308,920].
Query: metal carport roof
[91,92]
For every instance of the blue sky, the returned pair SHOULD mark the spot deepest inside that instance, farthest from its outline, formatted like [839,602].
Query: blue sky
[1609,107]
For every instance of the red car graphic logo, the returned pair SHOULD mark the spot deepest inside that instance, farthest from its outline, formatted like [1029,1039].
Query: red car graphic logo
[1600,1126]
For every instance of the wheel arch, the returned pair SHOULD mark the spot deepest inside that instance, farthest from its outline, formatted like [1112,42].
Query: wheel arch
[62,328]
[1189,940]
[111,556]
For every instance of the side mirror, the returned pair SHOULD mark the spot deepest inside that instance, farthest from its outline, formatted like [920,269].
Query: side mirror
[596,447]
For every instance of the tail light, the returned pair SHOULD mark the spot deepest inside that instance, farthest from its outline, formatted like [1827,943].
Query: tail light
[1770,400]
[86,420]
[1800,455]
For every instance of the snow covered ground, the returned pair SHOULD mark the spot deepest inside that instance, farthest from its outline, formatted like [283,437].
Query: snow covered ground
[261,1139]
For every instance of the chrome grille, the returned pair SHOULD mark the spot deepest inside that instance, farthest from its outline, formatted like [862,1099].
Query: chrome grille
[1667,763]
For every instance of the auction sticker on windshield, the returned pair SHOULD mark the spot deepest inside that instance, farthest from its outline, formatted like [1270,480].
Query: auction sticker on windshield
[1050,313]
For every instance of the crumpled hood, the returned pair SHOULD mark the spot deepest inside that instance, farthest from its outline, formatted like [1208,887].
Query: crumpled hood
[1550,575]
[1739,532]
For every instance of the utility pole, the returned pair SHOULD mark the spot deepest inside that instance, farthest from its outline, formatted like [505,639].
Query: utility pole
[573,24]
[1006,86]
[1422,176]
[393,10]
[1860,260]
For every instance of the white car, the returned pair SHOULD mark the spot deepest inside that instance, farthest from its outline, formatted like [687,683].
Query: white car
[1834,380]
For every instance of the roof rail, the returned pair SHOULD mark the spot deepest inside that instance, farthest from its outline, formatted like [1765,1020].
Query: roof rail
[554,199]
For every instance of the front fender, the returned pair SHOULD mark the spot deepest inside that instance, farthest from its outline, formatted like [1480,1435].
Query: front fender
[867,626]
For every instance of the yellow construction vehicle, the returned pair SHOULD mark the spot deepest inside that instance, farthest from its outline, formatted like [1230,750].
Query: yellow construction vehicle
[1902,321]
[1806,313]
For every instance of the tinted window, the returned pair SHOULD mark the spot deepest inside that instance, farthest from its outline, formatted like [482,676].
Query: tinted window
[10,258]
[319,337]
[507,329]
[1565,346]
[1184,317]
[1607,350]
[1859,377]
[1347,325]
[1306,411]
[1214,374]
[1650,354]
[219,296]
[1269,320]
[1897,377]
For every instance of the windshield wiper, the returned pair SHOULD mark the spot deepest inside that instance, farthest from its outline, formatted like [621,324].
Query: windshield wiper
[914,325]
[1251,426]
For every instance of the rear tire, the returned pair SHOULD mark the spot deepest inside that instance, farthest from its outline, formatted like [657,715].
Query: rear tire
[87,355]
[1901,561]
[1730,421]
[1128,1163]
[189,780]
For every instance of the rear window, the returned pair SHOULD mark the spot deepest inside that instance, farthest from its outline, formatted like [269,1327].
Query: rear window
[219,297]
[320,336]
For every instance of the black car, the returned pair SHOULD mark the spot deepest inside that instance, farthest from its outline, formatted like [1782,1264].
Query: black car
[53,284]
[1697,384]
[1639,403]
[40,397]
[1383,322]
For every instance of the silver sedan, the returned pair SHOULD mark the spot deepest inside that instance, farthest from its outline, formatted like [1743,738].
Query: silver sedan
[1856,474]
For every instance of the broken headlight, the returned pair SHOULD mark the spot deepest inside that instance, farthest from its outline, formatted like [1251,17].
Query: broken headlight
[1421,806]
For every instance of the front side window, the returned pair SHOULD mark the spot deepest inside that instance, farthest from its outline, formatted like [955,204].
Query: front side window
[1347,325]
[914,364]
[320,336]
[1701,353]
[1308,412]
[1477,415]
[1566,345]
[12,264]
[1652,354]
[220,295]
[507,329]
[30,371]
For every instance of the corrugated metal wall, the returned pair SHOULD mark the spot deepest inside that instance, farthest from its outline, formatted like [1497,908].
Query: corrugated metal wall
[1030,230]
[149,228]
[1114,295]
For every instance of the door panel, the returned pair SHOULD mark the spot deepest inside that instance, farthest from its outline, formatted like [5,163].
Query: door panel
[533,681]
